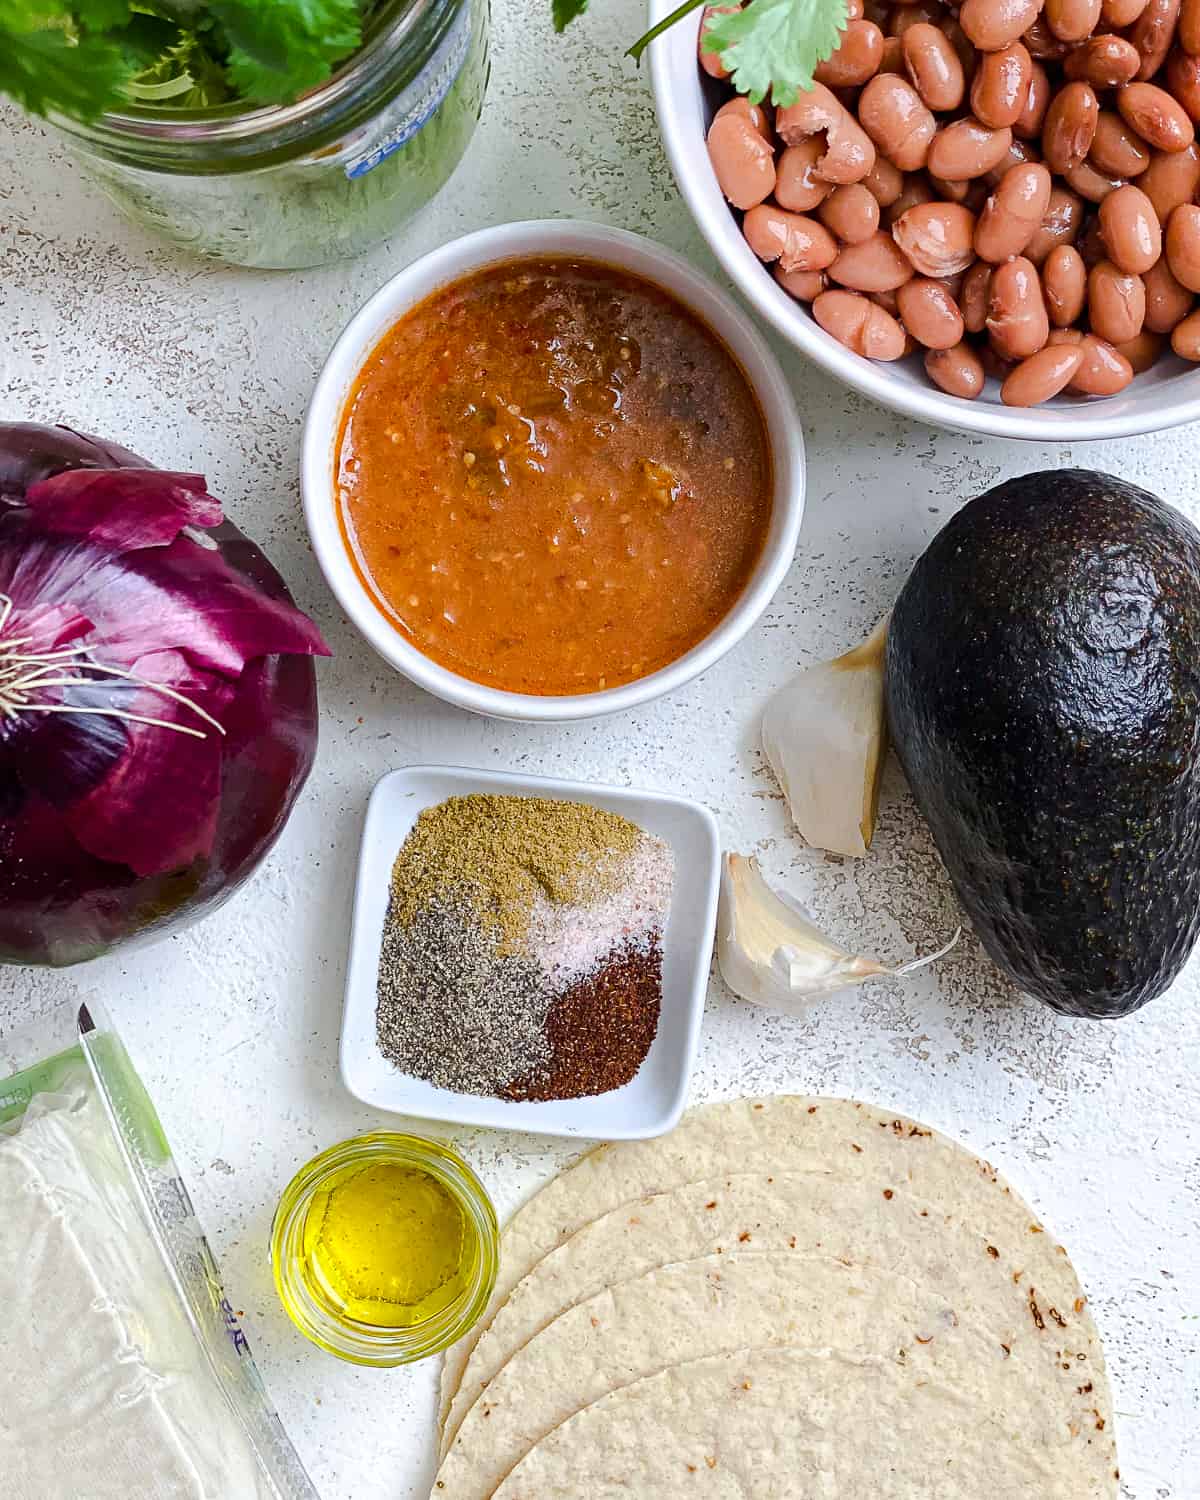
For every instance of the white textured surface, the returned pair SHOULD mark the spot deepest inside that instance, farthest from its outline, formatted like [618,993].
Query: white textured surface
[234,1024]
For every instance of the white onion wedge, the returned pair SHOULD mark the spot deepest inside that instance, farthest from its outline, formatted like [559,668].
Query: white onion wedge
[825,737]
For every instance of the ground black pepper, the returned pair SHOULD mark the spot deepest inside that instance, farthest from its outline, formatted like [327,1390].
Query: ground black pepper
[600,1029]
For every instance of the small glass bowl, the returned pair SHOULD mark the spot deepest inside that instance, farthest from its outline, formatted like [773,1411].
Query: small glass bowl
[329,1326]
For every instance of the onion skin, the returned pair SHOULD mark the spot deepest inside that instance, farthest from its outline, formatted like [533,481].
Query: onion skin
[61,905]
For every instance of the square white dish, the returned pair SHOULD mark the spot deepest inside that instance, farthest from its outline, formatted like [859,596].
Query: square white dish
[652,1102]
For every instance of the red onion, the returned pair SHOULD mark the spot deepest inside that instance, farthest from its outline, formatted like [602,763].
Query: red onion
[158,706]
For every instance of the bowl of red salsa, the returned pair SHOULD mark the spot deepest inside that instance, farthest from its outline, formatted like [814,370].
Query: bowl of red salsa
[550,471]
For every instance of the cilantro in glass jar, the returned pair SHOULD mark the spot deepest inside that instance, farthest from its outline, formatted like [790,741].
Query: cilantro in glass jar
[325,174]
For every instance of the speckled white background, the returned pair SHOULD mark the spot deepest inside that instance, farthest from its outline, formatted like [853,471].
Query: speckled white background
[234,1024]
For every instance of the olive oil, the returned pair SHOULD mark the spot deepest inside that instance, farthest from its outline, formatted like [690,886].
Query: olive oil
[385,1244]
[385,1248]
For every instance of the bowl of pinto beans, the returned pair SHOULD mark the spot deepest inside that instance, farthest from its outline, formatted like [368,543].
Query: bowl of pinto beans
[983,216]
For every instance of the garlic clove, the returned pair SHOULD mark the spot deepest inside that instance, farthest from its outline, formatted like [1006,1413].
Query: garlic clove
[825,736]
[772,953]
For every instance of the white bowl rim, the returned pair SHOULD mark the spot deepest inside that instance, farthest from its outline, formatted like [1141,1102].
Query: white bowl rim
[871,378]
[530,238]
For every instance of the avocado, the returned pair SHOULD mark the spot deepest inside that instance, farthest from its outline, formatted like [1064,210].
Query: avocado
[1043,695]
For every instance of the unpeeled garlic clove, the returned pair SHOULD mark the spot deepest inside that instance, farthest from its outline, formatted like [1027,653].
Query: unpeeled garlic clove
[825,736]
[772,953]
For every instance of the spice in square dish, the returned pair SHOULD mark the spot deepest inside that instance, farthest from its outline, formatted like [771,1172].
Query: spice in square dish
[522,949]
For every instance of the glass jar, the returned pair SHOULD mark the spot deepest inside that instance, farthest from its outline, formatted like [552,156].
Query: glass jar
[324,1317]
[325,177]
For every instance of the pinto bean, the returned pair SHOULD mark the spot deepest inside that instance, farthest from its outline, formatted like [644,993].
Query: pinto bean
[742,160]
[875,265]
[1172,178]
[1060,225]
[1029,123]
[1116,303]
[1103,371]
[1131,230]
[1167,301]
[1185,338]
[933,67]
[859,324]
[849,154]
[936,238]
[1090,183]
[897,120]
[967,149]
[1183,246]
[1070,126]
[884,182]
[851,213]
[1105,62]
[1072,20]
[758,115]
[1152,34]
[1117,150]
[1017,321]
[1142,351]
[1183,81]
[930,313]
[1042,375]
[856,59]
[1115,15]
[1000,88]
[797,186]
[957,371]
[1189,27]
[1157,118]
[973,299]
[1064,285]
[992,24]
[916,190]
[803,285]
[798,243]
[1014,213]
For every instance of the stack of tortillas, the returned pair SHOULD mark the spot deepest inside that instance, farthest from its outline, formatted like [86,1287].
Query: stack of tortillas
[784,1298]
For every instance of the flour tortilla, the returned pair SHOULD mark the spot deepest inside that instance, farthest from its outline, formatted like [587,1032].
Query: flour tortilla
[786,1133]
[811,1213]
[791,1424]
[723,1303]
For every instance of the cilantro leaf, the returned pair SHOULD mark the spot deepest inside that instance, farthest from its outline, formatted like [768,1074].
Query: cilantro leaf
[565,11]
[280,48]
[774,45]
[96,16]
[45,70]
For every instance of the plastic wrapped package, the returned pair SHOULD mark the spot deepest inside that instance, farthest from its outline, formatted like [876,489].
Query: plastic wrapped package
[124,1374]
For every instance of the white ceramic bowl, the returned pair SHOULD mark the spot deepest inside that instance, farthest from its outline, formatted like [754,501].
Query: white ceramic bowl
[1163,397]
[460,257]
[653,1100]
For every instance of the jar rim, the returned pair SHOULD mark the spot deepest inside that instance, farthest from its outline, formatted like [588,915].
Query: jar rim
[405,34]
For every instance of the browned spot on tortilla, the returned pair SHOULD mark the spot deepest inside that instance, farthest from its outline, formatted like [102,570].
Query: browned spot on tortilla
[791,1242]
[1084,1390]
[743,1237]
[1036,1229]
[888,1194]
[713,1204]
[920,1340]
[853,1147]
[1057,1316]
[1007,1350]
[993,1252]
[1038,1321]
[711,1462]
